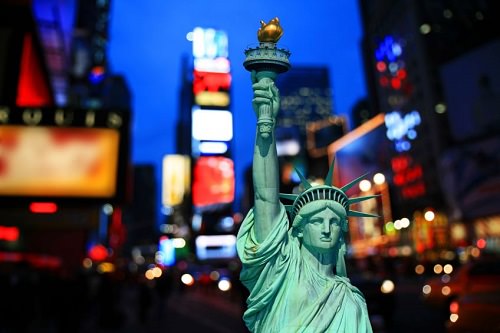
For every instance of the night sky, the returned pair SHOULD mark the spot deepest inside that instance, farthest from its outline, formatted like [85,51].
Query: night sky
[148,41]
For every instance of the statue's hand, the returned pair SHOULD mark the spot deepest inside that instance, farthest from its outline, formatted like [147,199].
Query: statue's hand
[265,94]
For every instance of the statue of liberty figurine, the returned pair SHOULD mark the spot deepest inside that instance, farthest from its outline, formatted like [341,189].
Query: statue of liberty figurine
[293,255]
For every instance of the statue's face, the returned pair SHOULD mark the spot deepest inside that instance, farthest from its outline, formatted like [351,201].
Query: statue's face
[322,230]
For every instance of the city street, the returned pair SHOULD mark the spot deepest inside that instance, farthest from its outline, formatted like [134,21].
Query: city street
[155,154]
[211,311]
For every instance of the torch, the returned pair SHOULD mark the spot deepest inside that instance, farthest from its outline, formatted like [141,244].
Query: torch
[267,60]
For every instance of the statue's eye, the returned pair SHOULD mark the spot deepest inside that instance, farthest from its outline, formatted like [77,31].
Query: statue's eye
[334,220]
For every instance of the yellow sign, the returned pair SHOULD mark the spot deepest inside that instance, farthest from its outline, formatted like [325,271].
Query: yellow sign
[58,161]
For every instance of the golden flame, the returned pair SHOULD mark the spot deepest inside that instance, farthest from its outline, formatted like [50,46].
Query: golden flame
[270,32]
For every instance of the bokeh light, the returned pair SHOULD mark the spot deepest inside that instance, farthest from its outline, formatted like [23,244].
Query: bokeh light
[365,185]
[187,279]
[481,243]
[387,287]
[224,285]
[379,178]
[445,278]
[429,215]
[426,290]
[214,275]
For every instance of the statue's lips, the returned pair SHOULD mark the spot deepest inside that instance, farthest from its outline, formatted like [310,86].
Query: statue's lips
[325,239]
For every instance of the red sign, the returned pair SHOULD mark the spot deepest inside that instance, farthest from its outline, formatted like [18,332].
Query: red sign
[207,81]
[408,176]
[213,181]
[43,207]
[9,234]
[98,252]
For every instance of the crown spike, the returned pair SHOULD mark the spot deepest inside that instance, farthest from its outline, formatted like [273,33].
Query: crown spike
[358,199]
[303,180]
[353,182]
[360,214]
[328,179]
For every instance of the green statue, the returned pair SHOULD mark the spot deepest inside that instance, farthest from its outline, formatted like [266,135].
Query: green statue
[295,272]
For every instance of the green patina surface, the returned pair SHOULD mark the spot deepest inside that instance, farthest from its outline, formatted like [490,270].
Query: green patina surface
[294,270]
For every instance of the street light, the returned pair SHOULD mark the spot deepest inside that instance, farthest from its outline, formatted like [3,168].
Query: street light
[365,185]
[429,215]
[379,178]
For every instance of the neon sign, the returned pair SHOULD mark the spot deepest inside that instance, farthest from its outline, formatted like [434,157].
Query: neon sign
[212,128]
[209,43]
[205,81]
[212,125]
[60,117]
[9,234]
[212,98]
[401,130]
[408,176]
[390,66]
[213,181]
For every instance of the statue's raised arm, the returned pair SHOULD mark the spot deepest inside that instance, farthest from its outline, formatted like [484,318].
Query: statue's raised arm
[265,161]
[265,62]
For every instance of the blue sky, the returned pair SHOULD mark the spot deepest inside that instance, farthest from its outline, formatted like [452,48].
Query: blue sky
[148,41]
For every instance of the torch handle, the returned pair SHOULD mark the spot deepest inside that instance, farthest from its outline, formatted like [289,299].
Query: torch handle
[265,111]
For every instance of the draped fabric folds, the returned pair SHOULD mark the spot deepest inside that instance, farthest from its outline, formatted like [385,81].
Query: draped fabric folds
[286,294]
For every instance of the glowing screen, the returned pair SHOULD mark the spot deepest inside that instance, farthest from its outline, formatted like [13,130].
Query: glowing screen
[212,125]
[213,181]
[176,179]
[215,246]
[52,161]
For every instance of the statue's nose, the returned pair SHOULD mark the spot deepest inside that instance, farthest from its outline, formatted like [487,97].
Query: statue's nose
[326,227]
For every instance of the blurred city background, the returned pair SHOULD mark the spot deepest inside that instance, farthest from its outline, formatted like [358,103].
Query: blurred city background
[126,139]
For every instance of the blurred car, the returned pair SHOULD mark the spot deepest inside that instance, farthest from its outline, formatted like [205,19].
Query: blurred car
[479,276]
[221,275]
[475,312]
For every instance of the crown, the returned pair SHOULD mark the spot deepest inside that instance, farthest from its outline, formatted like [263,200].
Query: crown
[325,192]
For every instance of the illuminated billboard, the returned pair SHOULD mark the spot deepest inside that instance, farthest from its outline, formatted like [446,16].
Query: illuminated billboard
[211,89]
[215,247]
[207,81]
[49,161]
[209,43]
[60,153]
[212,125]
[213,181]
[166,250]
[211,121]
[176,179]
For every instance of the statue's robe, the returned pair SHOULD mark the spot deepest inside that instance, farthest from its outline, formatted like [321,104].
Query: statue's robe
[287,294]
